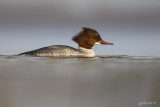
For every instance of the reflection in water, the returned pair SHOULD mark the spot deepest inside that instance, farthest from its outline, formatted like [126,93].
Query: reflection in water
[103,81]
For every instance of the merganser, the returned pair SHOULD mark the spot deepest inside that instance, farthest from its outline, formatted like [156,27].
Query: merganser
[86,39]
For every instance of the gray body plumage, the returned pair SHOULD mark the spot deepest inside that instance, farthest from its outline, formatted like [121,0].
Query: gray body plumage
[56,50]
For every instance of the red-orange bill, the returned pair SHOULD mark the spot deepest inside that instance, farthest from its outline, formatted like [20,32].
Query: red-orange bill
[105,43]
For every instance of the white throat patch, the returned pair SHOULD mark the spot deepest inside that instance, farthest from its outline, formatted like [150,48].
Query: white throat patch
[96,43]
[87,52]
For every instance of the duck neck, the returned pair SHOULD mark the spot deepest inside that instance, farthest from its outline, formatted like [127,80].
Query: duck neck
[87,52]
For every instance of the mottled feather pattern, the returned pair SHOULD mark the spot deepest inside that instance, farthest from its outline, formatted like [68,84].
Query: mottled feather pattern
[56,50]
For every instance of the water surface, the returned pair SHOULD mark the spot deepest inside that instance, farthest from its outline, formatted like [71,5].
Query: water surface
[103,81]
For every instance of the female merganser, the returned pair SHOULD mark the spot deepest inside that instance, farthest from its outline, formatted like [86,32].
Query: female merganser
[86,39]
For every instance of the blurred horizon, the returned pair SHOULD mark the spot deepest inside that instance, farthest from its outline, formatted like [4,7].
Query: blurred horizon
[133,26]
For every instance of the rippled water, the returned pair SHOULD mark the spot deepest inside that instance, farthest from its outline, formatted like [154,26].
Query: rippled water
[103,81]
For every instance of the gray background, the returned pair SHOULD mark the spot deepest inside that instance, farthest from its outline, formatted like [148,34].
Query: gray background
[132,25]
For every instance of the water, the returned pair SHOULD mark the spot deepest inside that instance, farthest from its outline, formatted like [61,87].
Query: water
[103,81]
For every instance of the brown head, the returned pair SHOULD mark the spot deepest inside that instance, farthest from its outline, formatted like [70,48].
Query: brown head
[88,37]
